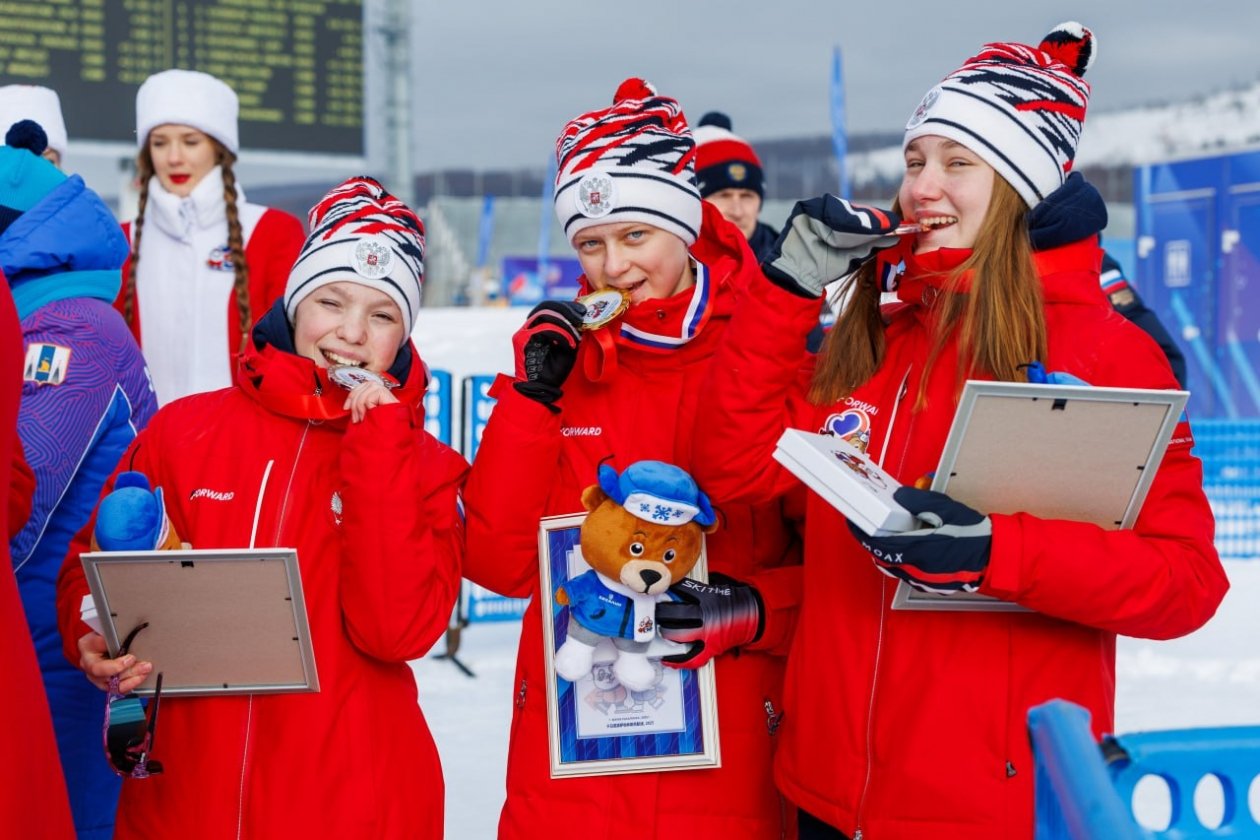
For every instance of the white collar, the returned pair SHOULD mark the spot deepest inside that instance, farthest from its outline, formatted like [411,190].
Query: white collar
[203,208]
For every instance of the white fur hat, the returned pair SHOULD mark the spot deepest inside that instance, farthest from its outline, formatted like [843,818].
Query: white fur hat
[187,97]
[32,102]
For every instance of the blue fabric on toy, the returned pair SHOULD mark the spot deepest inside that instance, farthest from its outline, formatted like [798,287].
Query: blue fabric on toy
[659,482]
[130,517]
[1037,375]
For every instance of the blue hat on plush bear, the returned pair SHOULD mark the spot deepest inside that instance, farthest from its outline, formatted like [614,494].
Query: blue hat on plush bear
[25,177]
[657,492]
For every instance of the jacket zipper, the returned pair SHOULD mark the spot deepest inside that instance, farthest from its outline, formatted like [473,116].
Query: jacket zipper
[520,696]
[774,717]
[879,637]
[284,505]
[240,801]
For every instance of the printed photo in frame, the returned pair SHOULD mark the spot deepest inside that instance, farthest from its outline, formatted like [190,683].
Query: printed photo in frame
[595,725]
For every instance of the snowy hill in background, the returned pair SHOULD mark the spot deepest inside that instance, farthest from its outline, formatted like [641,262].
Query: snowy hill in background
[1206,125]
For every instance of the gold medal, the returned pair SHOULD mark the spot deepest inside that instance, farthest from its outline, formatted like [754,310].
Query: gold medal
[603,306]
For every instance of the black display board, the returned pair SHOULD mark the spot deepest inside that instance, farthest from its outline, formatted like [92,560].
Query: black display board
[297,65]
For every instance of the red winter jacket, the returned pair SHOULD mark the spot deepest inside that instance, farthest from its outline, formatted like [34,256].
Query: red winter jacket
[533,463]
[912,724]
[33,801]
[270,252]
[380,577]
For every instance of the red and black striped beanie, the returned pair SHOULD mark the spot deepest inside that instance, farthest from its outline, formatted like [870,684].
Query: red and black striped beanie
[632,162]
[1020,108]
[360,233]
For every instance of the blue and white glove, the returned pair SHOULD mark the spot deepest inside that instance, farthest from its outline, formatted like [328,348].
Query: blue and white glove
[826,238]
[950,554]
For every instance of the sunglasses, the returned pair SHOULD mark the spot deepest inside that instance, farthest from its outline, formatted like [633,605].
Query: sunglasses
[129,728]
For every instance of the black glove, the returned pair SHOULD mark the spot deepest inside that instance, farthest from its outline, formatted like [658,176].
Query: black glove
[826,238]
[546,347]
[949,555]
[710,618]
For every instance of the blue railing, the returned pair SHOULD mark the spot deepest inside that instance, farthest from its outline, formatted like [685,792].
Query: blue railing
[1084,790]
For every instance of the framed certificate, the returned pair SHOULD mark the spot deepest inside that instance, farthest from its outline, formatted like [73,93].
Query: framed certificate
[597,726]
[1055,451]
[229,621]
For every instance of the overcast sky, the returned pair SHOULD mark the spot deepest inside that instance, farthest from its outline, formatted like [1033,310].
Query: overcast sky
[497,80]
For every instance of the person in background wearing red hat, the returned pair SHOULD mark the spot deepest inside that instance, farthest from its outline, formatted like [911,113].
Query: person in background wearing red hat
[200,252]
[729,174]
[617,393]
[913,723]
[320,445]
[730,177]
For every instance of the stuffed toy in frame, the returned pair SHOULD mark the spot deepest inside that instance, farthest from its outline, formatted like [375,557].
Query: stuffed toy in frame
[644,532]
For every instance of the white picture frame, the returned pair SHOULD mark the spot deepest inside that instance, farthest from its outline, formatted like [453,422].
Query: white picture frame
[1055,451]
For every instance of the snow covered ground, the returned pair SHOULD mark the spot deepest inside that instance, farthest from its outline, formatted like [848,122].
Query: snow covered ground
[1210,678]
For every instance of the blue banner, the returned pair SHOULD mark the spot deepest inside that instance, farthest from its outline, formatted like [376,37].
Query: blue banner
[480,604]
[839,134]
[477,407]
[438,401]
[485,231]
[526,282]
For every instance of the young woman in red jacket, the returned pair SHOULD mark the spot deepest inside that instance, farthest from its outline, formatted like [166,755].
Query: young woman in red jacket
[912,723]
[297,454]
[200,251]
[628,391]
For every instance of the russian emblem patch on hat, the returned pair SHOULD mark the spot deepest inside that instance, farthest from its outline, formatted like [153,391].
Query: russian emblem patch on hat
[596,195]
[372,259]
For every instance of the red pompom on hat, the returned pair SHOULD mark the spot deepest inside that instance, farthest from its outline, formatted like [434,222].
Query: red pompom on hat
[1020,108]
[634,88]
[1072,45]
[631,162]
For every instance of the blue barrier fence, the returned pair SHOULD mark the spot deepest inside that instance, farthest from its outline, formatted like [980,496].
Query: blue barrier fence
[1085,791]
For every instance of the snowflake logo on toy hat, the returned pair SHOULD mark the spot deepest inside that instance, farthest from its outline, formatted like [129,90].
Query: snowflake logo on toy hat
[596,195]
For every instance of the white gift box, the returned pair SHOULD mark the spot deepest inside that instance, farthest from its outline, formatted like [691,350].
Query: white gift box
[846,479]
